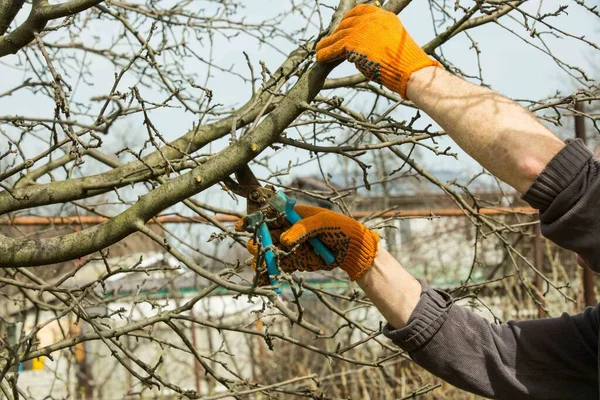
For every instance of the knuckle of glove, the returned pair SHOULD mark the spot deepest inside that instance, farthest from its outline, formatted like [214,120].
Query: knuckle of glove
[294,235]
[363,9]
[306,211]
[252,247]
[240,225]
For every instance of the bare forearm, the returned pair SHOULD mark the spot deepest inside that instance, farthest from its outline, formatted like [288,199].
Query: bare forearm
[391,288]
[502,136]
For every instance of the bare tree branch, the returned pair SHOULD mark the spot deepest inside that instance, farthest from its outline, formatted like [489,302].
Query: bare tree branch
[8,12]
[41,13]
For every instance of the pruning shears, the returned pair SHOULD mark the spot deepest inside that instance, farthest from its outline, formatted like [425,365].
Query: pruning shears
[263,202]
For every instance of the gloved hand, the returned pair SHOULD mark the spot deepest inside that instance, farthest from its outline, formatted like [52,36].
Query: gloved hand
[377,43]
[353,244]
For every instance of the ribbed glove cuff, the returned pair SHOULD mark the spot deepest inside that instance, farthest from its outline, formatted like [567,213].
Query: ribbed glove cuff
[400,66]
[361,251]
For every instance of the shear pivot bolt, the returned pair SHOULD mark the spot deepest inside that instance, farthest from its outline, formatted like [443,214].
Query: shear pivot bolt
[254,195]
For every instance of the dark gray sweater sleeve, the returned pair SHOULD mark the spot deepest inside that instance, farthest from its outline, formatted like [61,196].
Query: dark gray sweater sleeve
[567,193]
[553,358]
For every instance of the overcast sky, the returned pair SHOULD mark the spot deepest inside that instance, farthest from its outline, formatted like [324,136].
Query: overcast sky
[509,65]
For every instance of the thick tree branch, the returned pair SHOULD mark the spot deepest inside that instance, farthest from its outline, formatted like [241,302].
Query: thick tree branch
[39,16]
[8,12]
[26,253]
[69,8]
[166,55]
[138,171]
[396,6]
[75,189]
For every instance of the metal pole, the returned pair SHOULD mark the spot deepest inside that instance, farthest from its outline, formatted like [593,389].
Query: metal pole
[174,219]
[82,368]
[589,297]
[539,265]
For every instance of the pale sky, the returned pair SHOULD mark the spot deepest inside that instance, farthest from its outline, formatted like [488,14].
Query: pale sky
[509,66]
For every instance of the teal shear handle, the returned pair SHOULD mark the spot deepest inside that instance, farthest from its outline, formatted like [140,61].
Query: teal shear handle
[263,234]
[285,205]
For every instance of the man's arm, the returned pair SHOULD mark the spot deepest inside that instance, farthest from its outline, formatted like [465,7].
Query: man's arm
[391,288]
[502,136]
[548,358]
[563,182]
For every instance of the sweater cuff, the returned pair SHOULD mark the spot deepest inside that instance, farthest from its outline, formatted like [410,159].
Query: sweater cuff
[558,174]
[426,319]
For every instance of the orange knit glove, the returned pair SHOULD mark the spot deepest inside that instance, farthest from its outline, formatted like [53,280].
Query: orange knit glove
[377,43]
[353,244]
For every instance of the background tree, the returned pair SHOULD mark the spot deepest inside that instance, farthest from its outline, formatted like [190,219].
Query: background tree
[130,110]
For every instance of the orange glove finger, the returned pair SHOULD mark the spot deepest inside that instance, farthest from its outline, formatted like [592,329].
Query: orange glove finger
[353,244]
[362,9]
[252,247]
[308,211]
[333,47]
[350,20]
[378,44]
[307,228]
[346,23]
[240,225]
